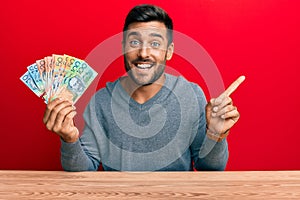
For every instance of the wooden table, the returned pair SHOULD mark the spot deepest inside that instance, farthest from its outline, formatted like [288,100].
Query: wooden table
[149,185]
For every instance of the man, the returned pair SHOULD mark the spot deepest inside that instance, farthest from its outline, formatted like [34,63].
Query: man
[148,120]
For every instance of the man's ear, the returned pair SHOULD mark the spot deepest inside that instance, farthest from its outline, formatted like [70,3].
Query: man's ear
[170,51]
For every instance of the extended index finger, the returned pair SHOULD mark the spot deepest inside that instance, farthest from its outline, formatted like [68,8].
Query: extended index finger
[233,86]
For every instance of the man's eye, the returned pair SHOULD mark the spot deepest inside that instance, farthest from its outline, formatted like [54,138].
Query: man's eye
[155,44]
[134,43]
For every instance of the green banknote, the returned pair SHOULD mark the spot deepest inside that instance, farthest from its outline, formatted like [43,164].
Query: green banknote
[76,80]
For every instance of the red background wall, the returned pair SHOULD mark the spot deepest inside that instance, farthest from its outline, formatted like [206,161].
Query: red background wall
[257,38]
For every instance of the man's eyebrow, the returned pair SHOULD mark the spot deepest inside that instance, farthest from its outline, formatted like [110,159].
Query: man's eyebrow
[133,33]
[156,35]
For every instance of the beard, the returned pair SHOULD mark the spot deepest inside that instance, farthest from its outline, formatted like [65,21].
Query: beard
[147,78]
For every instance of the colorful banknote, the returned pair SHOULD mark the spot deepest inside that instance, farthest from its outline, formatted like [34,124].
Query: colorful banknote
[59,76]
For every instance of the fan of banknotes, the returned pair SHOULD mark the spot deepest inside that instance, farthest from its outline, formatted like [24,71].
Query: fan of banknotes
[57,76]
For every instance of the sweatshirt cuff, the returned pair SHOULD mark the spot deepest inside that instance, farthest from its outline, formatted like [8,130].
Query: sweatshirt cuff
[66,147]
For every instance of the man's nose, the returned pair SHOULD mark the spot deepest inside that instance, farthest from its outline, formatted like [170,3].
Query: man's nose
[144,51]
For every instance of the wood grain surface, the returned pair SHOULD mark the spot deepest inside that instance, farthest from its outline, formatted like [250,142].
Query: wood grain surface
[150,185]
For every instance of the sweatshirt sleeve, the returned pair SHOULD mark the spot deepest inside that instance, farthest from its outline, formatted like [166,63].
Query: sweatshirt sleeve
[73,158]
[207,154]
[82,155]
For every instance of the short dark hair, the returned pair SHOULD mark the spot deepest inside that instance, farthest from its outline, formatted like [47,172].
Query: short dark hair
[147,13]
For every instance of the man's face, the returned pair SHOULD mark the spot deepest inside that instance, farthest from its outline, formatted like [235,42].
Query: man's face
[146,50]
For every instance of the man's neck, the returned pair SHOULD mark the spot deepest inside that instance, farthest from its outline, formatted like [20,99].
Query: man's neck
[142,94]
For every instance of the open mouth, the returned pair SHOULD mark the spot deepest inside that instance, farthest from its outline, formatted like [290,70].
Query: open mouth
[144,65]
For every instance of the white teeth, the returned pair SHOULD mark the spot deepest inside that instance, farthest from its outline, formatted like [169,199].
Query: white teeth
[144,66]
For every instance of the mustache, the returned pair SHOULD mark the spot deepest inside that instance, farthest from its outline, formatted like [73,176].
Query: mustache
[143,60]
